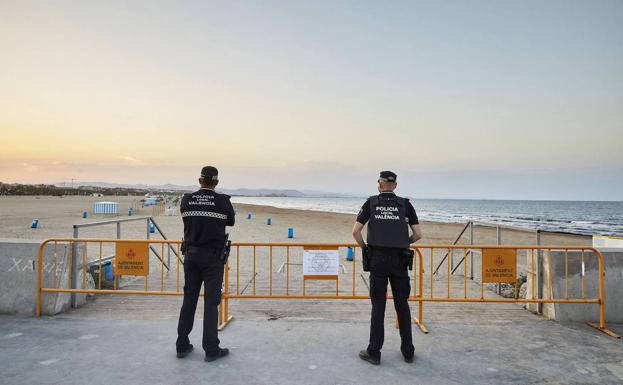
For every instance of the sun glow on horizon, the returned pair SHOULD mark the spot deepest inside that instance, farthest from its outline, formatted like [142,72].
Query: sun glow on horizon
[296,94]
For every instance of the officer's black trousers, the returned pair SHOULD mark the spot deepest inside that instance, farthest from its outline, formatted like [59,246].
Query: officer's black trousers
[384,267]
[201,265]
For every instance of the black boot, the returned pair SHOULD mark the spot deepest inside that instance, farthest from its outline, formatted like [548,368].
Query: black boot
[219,354]
[185,352]
[364,355]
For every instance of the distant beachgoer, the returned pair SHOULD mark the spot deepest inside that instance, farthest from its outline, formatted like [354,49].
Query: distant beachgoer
[205,213]
[388,256]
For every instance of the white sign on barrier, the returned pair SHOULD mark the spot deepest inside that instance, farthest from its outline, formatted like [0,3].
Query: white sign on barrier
[320,262]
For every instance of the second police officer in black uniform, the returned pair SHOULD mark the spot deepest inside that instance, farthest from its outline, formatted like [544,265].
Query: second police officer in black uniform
[205,214]
[389,218]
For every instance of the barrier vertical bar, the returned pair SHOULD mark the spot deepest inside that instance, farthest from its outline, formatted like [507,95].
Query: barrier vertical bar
[414,281]
[451,252]
[55,269]
[238,270]
[534,275]
[270,277]
[499,242]
[549,276]
[84,266]
[566,274]
[119,237]
[582,276]
[539,273]
[451,263]
[254,258]
[39,280]
[220,314]
[421,287]
[354,268]
[602,310]
[337,285]
[471,255]
[74,269]
[431,272]
[465,272]
[223,313]
[100,268]
[177,275]
[161,266]
[287,270]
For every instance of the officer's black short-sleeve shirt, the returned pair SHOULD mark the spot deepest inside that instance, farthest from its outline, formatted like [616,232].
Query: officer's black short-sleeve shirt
[205,214]
[364,214]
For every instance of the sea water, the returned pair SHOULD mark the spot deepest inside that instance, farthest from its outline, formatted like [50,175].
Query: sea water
[576,217]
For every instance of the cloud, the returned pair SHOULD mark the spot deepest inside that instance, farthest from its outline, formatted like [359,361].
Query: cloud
[132,160]
[29,167]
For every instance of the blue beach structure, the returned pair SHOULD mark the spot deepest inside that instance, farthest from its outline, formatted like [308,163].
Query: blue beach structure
[350,253]
[106,208]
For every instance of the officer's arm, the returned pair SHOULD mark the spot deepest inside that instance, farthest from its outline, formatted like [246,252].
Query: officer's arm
[417,233]
[183,203]
[231,216]
[357,234]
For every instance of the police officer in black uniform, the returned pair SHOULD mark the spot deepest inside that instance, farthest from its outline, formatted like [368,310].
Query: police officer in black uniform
[389,218]
[205,214]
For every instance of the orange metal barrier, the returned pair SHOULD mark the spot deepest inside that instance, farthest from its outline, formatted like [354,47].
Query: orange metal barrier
[248,261]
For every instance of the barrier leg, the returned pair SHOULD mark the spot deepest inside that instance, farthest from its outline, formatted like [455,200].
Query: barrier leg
[223,317]
[601,326]
[223,309]
[602,306]
[39,281]
[419,320]
[603,329]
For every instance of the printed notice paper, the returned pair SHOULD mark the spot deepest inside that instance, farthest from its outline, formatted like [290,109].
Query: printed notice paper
[320,262]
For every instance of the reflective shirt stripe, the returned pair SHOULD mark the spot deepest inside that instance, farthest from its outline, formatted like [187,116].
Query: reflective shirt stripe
[204,214]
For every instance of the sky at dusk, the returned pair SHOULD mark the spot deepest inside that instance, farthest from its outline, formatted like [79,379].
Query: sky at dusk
[462,99]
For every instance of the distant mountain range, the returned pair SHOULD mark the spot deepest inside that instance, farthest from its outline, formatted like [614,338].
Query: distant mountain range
[238,191]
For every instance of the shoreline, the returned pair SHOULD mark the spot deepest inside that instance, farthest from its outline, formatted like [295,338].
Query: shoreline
[58,215]
[426,221]
[433,231]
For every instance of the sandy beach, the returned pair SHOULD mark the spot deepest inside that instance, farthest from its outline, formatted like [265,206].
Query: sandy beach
[58,215]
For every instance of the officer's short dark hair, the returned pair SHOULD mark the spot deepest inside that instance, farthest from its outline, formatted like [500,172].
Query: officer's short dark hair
[388,176]
[209,173]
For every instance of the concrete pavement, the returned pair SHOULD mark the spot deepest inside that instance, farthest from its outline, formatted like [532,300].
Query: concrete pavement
[79,350]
